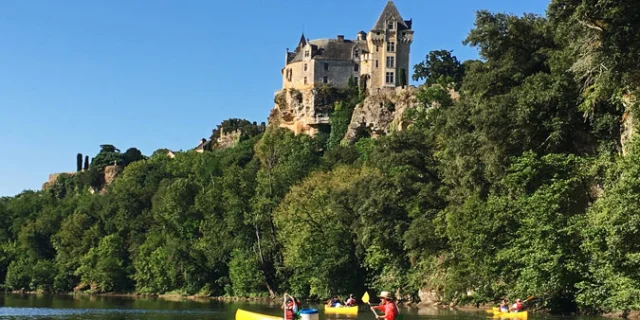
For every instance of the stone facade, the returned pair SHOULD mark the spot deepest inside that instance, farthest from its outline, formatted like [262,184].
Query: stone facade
[373,61]
[378,59]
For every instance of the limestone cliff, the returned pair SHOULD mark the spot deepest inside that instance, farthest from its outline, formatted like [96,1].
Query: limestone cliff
[627,128]
[301,111]
[381,112]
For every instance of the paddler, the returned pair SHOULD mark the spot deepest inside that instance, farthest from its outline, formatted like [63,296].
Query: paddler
[518,306]
[388,306]
[504,306]
[351,301]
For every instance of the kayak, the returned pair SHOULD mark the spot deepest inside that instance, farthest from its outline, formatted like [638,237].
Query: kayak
[493,310]
[519,315]
[341,310]
[247,315]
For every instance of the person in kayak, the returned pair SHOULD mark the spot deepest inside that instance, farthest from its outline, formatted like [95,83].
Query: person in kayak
[388,306]
[518,306]
[351,301]
[504,306]
[289,308]
[334,302]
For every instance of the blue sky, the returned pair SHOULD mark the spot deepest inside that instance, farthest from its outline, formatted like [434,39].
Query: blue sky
[75,74]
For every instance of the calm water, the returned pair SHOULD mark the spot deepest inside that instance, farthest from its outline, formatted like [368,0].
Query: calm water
[30,307]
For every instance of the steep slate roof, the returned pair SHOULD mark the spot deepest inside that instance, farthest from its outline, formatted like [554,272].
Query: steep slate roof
[390,10]
[332,49]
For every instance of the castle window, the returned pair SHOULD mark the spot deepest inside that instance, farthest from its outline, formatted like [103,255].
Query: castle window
[377,48]
[390,77]
[391,47]
[305,80]
[325,80]
[305,67]
[391,62]
[356,67]
[306,53]
[390,25]
[355,81]
[356,53]
[376,63]
[326,66]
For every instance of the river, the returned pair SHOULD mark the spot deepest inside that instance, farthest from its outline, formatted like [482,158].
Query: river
[46,307]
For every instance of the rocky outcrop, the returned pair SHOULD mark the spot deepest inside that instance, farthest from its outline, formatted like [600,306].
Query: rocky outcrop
[381,113]
[111,172]
[53,177]
[429,297]
[301,111]
[627,128]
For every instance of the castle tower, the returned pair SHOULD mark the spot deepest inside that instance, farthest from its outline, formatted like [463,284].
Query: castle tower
[389,43]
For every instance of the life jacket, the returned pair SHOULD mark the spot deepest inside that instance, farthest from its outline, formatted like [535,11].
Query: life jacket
[290,314]
[519,306]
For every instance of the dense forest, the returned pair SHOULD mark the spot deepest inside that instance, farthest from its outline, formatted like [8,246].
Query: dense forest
[522,185]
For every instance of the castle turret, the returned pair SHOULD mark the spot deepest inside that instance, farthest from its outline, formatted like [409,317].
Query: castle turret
[390,43]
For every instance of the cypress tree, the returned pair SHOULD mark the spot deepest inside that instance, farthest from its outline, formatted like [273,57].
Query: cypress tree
[86,162]
[79,162]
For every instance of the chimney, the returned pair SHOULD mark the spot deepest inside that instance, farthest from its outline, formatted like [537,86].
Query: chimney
[340,38]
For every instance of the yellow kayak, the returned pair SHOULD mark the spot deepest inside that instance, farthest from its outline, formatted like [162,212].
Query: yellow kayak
[247,315]
[519,315]
[341,310]
[493,310]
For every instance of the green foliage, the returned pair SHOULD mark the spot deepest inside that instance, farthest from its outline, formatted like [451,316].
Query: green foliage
[498,188]
[439,67]
[104,266]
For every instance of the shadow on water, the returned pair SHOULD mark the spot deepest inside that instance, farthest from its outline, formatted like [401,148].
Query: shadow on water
[49,307]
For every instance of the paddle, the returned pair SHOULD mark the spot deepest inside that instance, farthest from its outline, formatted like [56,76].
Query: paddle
[365,299]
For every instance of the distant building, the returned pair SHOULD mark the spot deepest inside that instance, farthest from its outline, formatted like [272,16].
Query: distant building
[377,59]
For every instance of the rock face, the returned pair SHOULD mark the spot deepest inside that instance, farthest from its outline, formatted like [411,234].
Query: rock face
[111,172]
[53,177]
[428,297]
[301,111]
[627,129]
[381,113]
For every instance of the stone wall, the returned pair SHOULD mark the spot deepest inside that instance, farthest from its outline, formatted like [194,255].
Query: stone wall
[338,74]
[228,139]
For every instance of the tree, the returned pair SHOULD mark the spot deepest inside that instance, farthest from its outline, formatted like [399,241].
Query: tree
[439,67]
[79,162]
[107,156]
[132,155]
[403,77]
[86,163]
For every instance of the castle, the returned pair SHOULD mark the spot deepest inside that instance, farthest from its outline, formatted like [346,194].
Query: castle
[377,62]
[378,59]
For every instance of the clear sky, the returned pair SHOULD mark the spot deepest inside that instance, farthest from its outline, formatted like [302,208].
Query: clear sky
[75,74]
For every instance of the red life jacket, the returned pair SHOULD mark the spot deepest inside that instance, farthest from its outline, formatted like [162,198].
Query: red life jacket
[289,310]
[519,306]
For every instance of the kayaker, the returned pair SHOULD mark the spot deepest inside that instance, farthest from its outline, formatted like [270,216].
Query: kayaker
[518,306]
[351,301]
[289,307]
[504,306]
[388,306]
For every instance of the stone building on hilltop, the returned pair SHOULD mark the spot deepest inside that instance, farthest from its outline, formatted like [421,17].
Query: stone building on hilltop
[378,59]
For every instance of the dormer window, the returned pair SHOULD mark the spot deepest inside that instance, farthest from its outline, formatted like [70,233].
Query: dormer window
[356,53]
[306,53]
[390,25]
